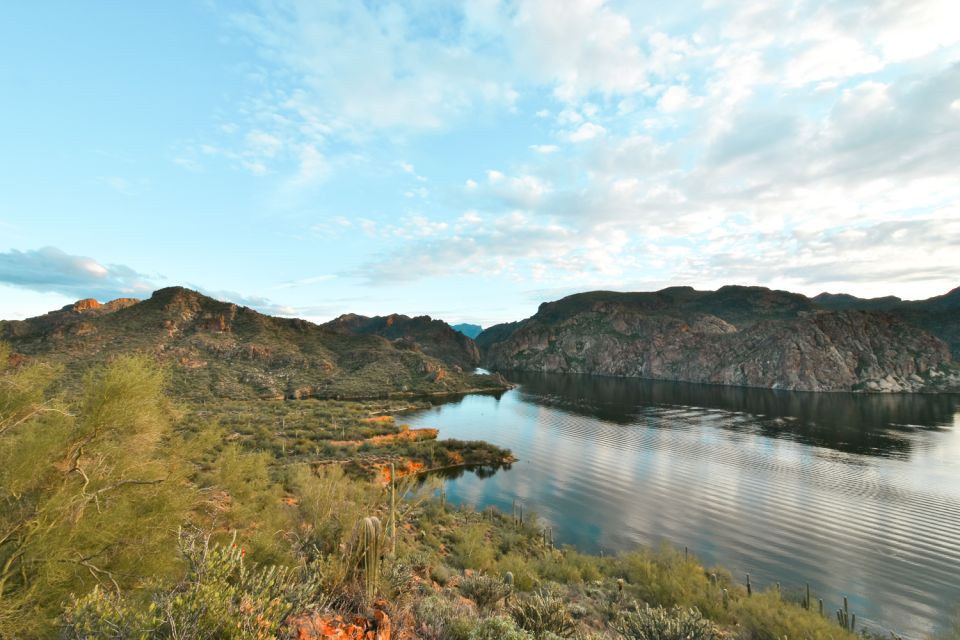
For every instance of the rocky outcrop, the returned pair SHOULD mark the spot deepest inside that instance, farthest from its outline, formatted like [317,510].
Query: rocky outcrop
[315,625]
[433,337]
[90,304]
[84,305]
[734,336]
[939,315]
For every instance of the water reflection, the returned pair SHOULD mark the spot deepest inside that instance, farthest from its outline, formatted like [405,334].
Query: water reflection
[856,494]
[875,424]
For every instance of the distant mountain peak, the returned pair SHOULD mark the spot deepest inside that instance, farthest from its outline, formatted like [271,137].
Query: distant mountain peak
[469,330]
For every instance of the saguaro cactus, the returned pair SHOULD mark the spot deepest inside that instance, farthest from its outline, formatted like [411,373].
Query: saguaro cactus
[372,533]
[847,620]
[393,510]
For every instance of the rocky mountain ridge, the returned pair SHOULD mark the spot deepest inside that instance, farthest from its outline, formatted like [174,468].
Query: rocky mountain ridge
[434,337]
[939,315]
[222,350]
[750,336]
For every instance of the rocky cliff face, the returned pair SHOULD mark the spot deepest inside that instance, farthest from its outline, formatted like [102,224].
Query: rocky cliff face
[218,349]
[734,336]
[939,315]
[433,337]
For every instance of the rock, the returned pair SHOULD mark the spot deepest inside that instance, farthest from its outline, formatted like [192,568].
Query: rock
[314,625]
[85,305]
[742,336]
[422,333]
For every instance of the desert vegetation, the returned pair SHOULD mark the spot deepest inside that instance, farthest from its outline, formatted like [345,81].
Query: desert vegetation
[129,514]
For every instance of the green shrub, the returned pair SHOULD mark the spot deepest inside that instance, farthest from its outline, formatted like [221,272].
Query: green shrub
[764,616]
[571,567]
[440,574]
[666,578]
[524,570]
[498,628]
[440,619]
[221,597]
[72,489]
[659,624]
[472,550]
[108,616]
[485,590]
[541,614]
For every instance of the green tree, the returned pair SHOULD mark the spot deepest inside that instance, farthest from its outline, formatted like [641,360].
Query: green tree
[89,492]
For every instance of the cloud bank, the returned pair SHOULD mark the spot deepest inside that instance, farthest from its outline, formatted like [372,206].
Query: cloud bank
[50,270]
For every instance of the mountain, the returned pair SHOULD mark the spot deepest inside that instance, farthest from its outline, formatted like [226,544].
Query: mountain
[847,302]
[219,349]
[434,337]
[469,330]
[939,315]
[750,336]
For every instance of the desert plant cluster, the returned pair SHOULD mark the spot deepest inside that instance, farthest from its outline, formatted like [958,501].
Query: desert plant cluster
[130,513]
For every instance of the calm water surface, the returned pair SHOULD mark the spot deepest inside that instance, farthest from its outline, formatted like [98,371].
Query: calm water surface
[857,495]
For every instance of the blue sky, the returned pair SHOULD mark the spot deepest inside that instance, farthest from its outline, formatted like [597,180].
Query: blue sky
[471,160]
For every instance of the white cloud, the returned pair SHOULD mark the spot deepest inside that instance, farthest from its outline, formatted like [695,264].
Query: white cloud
[374,65]
[675,98]
[832,56]
[545,148]
[586,47]
[586,131]
[522,191]
[511,246]
[312,167]
[52,270]
[264,144]
[769,125]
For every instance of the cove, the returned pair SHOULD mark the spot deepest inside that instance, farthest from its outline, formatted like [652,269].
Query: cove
[857,495]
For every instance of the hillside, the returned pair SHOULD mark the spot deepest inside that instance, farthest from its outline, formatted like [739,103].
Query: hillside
[939,315]
[748,336]
[434,337]
[221,350]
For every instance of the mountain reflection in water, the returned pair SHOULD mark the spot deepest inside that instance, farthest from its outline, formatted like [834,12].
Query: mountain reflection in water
[858,495]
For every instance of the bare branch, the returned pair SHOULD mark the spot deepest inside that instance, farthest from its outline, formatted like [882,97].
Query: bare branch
[124,483]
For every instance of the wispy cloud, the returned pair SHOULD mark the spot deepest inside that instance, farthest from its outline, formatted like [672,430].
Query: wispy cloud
[260,303]
[51,270]
[672,142]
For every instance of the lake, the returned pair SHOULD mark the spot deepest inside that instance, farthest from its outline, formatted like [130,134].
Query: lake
[859,495]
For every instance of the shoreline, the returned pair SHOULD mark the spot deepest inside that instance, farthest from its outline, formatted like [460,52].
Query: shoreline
[855,392]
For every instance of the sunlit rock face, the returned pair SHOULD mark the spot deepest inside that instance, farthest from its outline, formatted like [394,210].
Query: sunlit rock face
[734,336]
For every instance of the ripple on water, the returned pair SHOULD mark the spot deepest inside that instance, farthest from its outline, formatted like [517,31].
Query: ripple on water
[850,493]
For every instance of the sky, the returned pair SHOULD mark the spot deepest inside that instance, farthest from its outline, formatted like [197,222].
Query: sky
[470,160]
